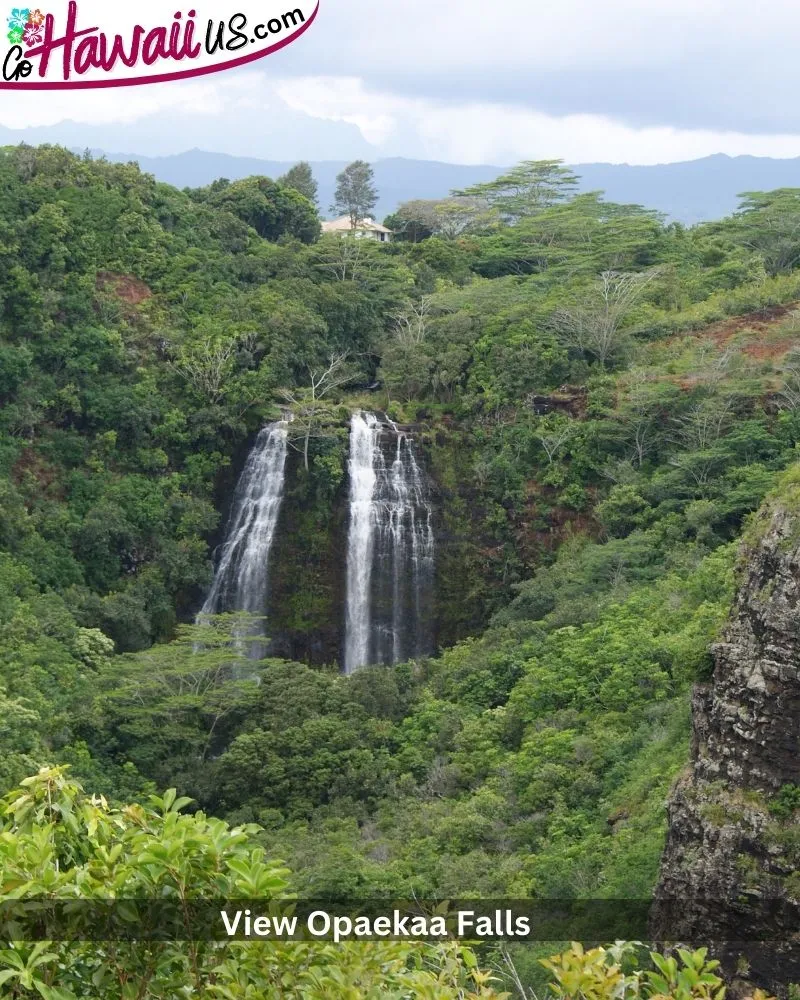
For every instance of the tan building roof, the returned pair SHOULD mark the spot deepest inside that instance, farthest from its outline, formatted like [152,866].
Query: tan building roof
[343,224]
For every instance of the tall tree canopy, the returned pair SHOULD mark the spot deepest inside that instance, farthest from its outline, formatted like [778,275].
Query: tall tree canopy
[527,189]
[273,210]
[301,178]
[356,195]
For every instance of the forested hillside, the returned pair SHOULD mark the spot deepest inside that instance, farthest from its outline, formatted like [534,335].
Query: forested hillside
[600,398]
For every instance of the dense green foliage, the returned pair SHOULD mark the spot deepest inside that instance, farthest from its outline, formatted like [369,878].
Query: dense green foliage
[601,398]
[301,178]
[58,842]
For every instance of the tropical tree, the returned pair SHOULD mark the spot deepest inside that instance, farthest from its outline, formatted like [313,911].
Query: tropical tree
[309,402]
[273,210]
[769,223]
[595,324]
[527,189]
[301,178]
[356,195]
[418,220]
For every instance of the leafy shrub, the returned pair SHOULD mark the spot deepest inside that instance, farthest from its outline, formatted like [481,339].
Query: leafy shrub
[598,975]
[58,842]
[786,802]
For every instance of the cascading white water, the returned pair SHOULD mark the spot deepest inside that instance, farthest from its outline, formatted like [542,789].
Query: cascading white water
[364,433]
[390,552]
[242,577]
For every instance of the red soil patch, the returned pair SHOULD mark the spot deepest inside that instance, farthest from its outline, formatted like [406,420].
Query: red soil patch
[688,382]
[768,352]
[127,288]
[556,523]
[759,321]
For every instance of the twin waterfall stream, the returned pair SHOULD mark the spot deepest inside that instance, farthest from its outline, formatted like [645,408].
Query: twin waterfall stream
[390,548]
[389,572]
[241,581]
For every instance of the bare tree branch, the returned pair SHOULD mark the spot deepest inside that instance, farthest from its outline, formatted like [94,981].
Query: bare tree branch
[206,366]
[789,395]
[411,325]
[307,402]
[559,435]
[594,325]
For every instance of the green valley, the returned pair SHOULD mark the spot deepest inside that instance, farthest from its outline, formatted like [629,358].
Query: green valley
[599,400]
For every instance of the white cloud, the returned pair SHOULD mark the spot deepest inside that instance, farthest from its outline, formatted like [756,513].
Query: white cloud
[344,99]
[418,36]
[106,106]
[481,132]
[455,131]
[467,81]
[713,64]
[413,37]
[208,98]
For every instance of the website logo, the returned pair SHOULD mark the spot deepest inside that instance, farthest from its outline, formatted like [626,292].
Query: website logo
[97,44]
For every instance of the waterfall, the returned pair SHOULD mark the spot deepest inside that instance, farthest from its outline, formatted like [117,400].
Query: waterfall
[364,434]
[242,576]
[390,551]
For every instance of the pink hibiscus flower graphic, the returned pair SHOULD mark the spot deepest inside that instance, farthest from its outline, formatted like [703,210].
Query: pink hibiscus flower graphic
[33,34]
[36,17]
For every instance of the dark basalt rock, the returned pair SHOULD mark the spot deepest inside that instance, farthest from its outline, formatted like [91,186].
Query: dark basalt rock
[729,871]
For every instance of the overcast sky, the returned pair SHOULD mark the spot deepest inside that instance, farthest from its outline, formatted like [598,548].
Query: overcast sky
[475,82]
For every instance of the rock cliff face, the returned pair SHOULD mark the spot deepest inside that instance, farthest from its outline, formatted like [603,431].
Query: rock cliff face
[729,871]
[308,558]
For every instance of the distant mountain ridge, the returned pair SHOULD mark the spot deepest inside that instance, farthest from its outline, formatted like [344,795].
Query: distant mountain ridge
[397,179]
[689,192]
